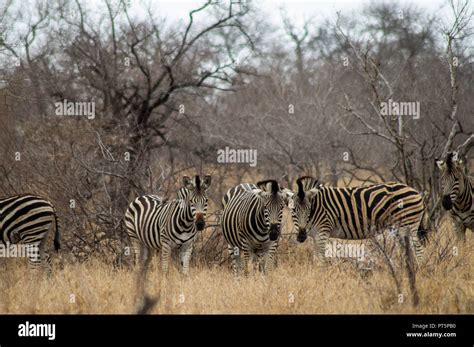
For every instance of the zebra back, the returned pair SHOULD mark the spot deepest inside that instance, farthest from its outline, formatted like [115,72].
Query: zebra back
[243,187]
[360,211]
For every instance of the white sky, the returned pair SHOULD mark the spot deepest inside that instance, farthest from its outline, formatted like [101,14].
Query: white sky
[297,10]
[271,10]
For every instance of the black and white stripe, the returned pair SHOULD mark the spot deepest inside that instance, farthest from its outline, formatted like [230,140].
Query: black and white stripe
[152,223]
[251,222]
[355,213]
[27,220]
[458,193]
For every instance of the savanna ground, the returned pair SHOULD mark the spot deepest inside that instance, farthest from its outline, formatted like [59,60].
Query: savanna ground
[297,285]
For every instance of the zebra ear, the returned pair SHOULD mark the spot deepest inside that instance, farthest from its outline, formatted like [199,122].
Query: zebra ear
[306,182]
[287,195]
[270,186]
[440,164]
[206,182]
[188,183]
[288,192]
[462,164]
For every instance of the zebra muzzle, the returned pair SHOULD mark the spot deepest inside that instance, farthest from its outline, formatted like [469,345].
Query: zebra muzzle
[274,232]
[301,236]
[447,203]
[200,223]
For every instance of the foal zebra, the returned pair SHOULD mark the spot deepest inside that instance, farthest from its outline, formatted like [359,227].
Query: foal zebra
[251,222]
[27,220]
[458,193]
[152,223]
[354,213]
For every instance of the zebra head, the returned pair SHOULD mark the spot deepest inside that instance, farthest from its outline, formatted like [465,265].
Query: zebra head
[274,201]
[197,198]
[301,205]
[453,171]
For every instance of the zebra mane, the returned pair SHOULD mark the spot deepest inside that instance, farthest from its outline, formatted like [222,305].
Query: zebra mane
[263,185]
[198,183]
[449,161]
[305,183]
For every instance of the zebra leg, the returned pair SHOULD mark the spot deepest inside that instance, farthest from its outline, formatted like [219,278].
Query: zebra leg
[270,258]
[257,262]
[142,268]
[315,253]
[135,249]
[234,253]
[142,256]
[34,258]
[46,262]
[268,263]
[44,258]
[459,230]
[321,244]
[245,260]
[165,256]
[262,263]
[186,252]
[416,243]
[37,256]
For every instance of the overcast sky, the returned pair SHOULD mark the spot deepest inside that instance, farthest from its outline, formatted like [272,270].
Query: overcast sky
[297,10]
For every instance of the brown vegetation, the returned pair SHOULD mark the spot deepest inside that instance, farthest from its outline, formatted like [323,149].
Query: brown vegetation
[445,285]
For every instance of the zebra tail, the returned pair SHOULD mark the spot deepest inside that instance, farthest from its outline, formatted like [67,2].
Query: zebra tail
[423,229]
[57,236]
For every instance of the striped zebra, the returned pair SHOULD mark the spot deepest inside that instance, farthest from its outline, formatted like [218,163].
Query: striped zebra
[458,193]
[251,222]
[27,220]
[153,223]
[355,213]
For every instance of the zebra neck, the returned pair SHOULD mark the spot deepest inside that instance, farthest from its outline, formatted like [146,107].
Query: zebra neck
[318,207]
[464,201]
[259,216]
[185,217]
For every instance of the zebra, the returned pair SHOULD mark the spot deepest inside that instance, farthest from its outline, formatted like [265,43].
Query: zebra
[27,220]
[458,193]
[251,222]
[166,225]
[355,213]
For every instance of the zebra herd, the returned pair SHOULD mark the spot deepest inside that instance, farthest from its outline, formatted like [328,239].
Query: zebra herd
[252,216]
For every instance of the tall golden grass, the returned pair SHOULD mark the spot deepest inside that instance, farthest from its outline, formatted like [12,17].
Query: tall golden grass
[445,285]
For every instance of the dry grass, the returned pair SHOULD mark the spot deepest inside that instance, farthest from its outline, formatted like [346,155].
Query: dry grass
[445,285]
